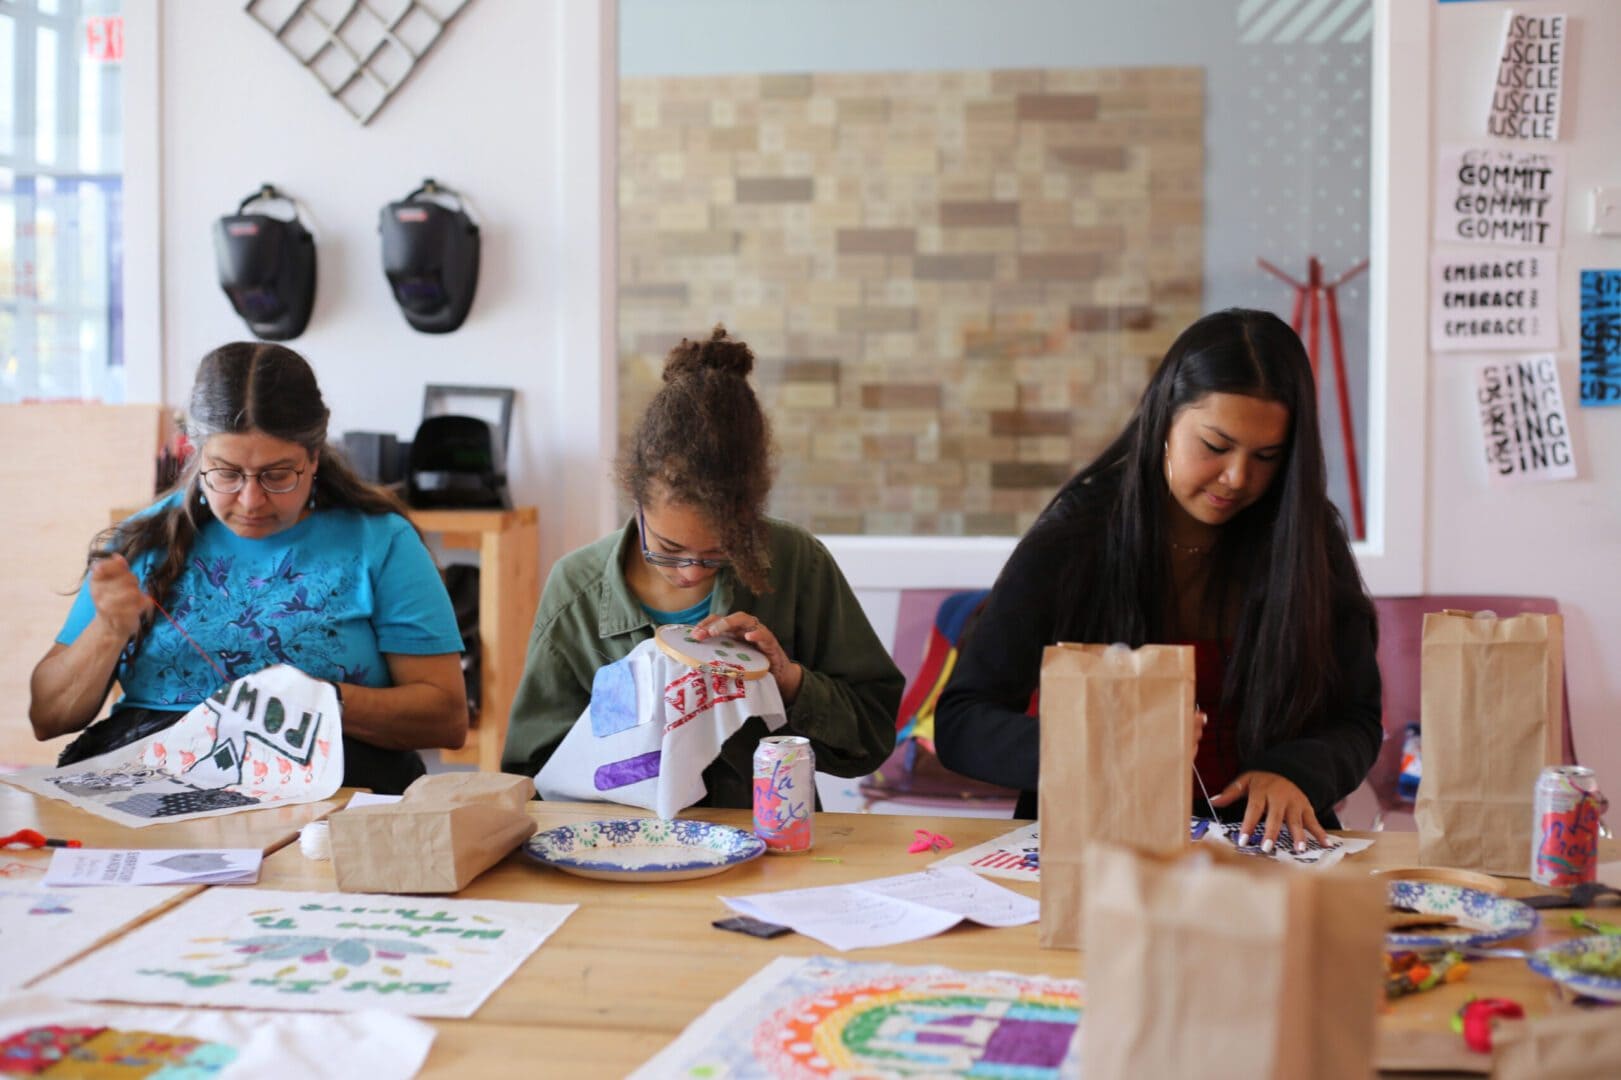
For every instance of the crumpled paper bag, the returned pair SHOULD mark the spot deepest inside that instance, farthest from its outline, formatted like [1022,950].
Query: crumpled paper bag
[446,830]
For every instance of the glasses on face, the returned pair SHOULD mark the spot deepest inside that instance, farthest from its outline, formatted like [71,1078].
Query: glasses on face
[277,481]
[673,562]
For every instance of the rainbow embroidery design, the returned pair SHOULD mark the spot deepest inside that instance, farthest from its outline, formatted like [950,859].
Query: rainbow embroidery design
[799,1019]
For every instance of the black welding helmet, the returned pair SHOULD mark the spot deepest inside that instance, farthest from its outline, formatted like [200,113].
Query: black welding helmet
[430,254]
[267,267]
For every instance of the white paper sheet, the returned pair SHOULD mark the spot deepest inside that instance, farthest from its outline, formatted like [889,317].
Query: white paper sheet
[880,1020]
[41,928]
[1498,196]
[72,867]
[366,798]
[267,739]
[1493,298]
[887,911]
[1524,425]
[1529,91]
[262,948]
[231,1045]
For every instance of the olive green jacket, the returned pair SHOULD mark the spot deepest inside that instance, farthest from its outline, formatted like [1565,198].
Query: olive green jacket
[588,617]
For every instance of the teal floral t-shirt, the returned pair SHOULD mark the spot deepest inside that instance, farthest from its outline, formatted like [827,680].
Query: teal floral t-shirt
[330,596]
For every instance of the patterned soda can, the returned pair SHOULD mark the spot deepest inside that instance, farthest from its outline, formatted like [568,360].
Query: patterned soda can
[1564,826]
[784,792]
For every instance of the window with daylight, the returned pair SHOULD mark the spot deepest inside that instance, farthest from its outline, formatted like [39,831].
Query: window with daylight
[960,235]
[61,166]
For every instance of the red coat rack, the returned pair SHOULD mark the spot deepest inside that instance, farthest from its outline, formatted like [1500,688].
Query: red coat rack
[1309,296]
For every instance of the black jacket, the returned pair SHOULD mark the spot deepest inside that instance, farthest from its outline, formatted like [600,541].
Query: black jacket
[981,726]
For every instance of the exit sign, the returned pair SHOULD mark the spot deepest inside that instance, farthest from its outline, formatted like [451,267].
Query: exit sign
[104,38]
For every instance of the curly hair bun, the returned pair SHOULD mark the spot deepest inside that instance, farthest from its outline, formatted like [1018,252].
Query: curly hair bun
[720,353]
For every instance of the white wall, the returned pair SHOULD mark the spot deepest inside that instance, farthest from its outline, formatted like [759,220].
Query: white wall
[515,106]
[1559,539]
[510,107]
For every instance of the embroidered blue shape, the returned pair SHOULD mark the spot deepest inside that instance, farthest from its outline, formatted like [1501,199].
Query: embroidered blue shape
[613,700]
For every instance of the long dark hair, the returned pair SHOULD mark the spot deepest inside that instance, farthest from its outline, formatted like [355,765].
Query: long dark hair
[242,387]
[706,442]
[1283,566]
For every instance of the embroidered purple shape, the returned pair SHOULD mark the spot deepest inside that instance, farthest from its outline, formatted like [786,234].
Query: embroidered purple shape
[618,774]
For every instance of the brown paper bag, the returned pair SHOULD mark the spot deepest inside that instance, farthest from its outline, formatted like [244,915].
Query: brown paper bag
[1563,1046]
[1491,710]
[1212,964]
[1116,764]
[445,831]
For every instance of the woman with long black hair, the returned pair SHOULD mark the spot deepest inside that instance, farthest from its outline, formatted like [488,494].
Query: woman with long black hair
[1205,522]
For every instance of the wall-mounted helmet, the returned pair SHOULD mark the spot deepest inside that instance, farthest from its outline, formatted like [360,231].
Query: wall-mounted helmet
[267,267]
[430,254]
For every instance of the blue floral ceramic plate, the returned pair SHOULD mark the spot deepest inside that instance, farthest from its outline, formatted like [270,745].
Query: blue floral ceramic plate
[1482,919]
[1563,963]
[643,849]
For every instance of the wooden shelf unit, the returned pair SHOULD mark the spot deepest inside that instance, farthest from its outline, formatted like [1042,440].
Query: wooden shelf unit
[508,543]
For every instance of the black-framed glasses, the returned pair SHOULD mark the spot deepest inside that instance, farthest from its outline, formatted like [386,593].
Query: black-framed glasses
[277,481]
[673,562]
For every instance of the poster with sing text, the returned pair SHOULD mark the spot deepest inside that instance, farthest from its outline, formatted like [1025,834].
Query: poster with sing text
[1523,420]
[1601,337]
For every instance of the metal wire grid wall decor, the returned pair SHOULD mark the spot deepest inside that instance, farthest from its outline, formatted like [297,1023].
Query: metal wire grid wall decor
[361,51]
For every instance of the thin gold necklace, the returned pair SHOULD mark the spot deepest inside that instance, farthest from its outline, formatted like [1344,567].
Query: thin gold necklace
[1189,549]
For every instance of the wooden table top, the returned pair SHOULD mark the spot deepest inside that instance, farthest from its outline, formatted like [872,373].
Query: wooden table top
[638,962]
[266,830]
[642,961]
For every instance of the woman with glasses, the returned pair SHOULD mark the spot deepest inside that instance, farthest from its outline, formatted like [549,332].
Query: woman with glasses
[699,549]
[270,550]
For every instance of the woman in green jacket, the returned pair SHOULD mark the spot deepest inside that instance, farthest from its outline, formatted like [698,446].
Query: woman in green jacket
[699,549]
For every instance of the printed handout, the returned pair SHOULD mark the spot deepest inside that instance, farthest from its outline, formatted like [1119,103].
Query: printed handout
[887,911]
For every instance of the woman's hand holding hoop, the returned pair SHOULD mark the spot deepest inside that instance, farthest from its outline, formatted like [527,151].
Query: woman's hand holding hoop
[746,627]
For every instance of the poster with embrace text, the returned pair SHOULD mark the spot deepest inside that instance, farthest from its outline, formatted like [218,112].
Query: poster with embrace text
[1530,77]
[1523,420]
[1491,298]
[267,739]
[333,952]
[1601,337]
[1506,198]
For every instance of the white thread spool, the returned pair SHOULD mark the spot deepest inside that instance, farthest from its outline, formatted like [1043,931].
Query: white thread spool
[315,841]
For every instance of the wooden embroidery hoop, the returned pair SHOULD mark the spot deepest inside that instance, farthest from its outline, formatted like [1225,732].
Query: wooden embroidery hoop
[716,655]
